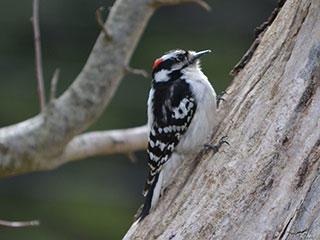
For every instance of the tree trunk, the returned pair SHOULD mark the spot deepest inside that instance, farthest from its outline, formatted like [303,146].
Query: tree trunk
[266,185]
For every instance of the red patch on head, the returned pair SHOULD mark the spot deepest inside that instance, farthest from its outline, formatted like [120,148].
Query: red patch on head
[156,63]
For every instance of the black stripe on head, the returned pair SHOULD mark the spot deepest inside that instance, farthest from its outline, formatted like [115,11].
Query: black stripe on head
[174,75]
[182,56]
[168,63]
[178,51]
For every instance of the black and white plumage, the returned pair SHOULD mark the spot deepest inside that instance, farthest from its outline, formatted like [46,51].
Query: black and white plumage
[181,115]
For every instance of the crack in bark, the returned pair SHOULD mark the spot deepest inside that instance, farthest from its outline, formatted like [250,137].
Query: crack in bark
[284,231]
[306,166]
[302,209]
[298,232]
[314,82]
[306,97]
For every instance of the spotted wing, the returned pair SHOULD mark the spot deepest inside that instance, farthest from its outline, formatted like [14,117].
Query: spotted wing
[166,132]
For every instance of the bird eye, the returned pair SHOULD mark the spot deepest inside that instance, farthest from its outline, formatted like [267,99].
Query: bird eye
[181,57]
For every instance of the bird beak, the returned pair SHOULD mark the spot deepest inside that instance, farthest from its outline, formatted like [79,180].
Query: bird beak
[198,55]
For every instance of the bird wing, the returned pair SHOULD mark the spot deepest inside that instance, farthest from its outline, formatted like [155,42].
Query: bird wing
[173,117]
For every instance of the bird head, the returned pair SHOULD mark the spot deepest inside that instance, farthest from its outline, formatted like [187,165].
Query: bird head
[171,65]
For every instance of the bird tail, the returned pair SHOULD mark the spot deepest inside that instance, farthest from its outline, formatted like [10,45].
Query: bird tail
[148,193]
[150,180]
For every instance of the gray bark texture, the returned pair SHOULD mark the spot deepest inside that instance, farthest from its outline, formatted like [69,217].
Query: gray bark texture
[266,185]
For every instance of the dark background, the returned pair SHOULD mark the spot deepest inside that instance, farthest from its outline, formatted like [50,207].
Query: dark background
[96,198]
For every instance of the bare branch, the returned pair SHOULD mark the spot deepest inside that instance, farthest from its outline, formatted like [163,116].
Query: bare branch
[136,71]
[90,144]
[38,56]
[46,135]
[101,23]
[105,142]
[201,3]
[54,82]
[132,157]
[19,224]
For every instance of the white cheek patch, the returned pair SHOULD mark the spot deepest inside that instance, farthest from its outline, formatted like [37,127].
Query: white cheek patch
[161,76]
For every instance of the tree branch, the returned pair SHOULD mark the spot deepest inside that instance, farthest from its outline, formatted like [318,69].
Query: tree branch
[101,23]
[201,3]
[96,143]
[136,71]
[19,224]
[105,142]
[132,157]
[40,142]
[37,143]
[54,82]
[38,56]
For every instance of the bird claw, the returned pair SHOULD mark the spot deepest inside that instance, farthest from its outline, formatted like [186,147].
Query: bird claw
[216,147]
[219,98]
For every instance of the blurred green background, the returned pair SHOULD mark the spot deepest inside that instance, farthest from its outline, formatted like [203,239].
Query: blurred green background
[96,198]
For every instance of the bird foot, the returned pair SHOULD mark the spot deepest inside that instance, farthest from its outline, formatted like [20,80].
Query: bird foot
[219,98]
[216,147]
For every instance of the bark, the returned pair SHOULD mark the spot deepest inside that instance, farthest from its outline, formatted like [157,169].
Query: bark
[266,185]
[105,142]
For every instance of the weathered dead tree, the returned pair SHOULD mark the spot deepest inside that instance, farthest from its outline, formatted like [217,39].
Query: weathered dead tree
[266,185]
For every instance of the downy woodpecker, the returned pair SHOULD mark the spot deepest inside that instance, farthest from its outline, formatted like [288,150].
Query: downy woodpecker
[181,116]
